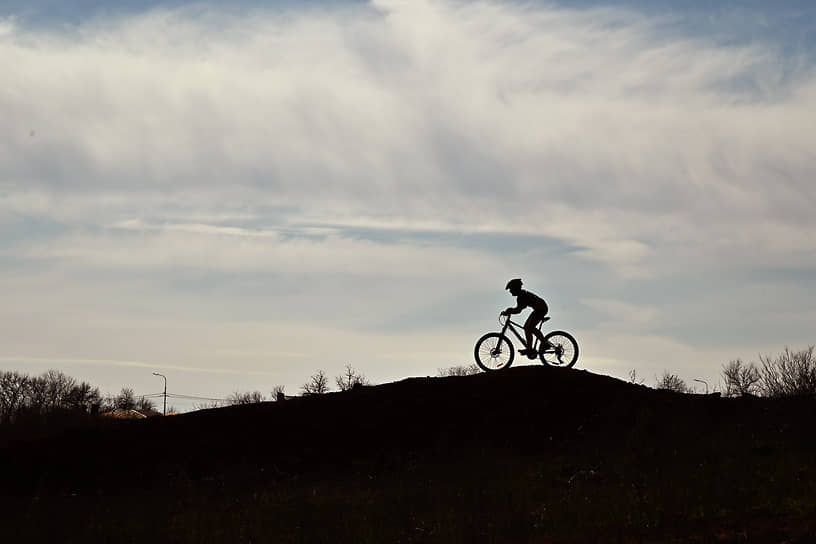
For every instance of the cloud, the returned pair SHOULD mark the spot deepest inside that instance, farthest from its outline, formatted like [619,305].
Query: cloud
[216,248]
[623,316]
[464,114]
[115,363]
[363,148]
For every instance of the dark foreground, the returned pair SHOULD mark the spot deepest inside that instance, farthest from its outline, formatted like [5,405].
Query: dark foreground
[525,455]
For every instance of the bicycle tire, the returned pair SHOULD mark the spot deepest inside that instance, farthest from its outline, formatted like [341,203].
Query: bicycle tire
[494,351]
[565,354]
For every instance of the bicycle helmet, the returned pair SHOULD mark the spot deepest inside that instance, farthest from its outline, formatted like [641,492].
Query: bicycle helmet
[516,282]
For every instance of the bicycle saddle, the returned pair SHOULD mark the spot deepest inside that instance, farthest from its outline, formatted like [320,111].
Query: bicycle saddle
[543,319]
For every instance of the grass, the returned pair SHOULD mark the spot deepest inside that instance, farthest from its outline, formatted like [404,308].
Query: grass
[496,497]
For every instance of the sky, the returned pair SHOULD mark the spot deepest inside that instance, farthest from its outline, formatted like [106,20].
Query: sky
[239,197]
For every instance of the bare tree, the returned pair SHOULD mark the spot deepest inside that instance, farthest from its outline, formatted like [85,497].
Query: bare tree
[57,389]
[278,394]
[458,370]
[43,394]
[253,397]
[317,384]
[14,392]
[672,382]
[37,394]
[349,379]
[125,400]
[634,378]
[791,373]
[83,396]
[740,379]
[147,407]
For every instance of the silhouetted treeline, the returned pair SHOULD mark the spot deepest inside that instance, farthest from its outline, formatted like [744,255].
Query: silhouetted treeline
[789,374]
[24,397]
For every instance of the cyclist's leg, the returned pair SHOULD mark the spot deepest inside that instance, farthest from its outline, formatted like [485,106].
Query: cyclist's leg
[528,338]
[531,328]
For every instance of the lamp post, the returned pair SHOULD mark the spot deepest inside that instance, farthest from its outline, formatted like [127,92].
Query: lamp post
[165,390]
[703,382]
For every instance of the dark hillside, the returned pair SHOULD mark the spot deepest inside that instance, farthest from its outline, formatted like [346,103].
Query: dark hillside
[528,454]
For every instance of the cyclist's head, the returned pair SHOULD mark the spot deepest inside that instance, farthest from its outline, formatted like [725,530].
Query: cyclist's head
[514,286]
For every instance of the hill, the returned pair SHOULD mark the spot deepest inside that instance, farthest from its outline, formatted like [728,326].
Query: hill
[530,454]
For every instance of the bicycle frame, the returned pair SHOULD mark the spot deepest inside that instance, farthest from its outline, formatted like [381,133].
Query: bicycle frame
[510,324]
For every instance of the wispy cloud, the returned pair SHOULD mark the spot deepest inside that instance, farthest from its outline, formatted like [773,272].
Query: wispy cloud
[461,114]
[22,361]
[231,153]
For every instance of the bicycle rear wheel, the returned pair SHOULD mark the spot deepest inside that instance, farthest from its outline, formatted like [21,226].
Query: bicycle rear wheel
[493,351]
[562,350]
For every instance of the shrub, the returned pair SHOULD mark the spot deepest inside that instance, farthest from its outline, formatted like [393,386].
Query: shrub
[634,378]
[791,373]
[459,370]
[278,393]
[672,382]
[317,384]
[253,397]
[740,379]
[349,379]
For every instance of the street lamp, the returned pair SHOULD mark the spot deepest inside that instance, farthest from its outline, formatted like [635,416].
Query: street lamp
[165,390]
[703,382]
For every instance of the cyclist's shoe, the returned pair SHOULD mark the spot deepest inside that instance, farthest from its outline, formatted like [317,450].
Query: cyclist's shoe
[530,353]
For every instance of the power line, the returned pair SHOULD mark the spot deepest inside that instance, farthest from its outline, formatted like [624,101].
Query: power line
[190,397]
[178,396]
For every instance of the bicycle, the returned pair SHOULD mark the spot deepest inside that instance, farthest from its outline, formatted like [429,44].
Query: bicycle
[495,351]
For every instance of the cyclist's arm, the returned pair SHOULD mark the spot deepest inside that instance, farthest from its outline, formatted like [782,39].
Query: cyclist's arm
[516,310]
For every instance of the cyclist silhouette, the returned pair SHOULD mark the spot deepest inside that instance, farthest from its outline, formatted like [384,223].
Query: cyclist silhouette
[540,309]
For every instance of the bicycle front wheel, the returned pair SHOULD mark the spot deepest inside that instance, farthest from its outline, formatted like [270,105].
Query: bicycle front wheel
[562,349]
[493,351]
